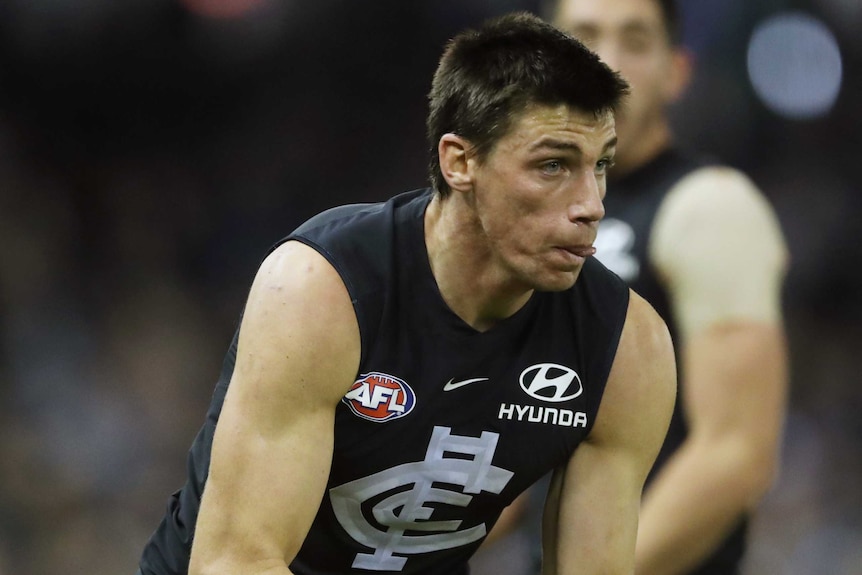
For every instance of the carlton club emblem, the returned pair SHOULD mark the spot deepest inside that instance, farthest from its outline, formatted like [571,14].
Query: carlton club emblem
[392,512]
[380,397]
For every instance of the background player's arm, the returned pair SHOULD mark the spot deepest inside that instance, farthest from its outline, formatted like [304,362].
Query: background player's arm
[298,354]
[718,246]
[591,515]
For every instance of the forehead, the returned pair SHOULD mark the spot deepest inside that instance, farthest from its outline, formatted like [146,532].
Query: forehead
[559,125]
[610,14]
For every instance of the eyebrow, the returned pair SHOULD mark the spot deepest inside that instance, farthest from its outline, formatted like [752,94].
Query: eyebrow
[565,145]
[637,26]
[554,144]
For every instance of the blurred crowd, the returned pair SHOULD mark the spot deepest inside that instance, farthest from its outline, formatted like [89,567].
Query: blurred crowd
[152,150]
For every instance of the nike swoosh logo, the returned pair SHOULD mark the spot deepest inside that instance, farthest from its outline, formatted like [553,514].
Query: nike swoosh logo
[452,384]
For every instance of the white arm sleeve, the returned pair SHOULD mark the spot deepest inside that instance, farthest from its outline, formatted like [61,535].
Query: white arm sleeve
[718,245]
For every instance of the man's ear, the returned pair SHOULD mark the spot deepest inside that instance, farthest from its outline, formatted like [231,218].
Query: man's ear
[455,164]
[681,69]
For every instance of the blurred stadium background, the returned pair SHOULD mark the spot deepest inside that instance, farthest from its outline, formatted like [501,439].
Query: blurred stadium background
[152,150]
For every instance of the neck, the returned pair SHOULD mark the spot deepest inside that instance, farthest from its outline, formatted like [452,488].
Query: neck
[473,287]
[650,143]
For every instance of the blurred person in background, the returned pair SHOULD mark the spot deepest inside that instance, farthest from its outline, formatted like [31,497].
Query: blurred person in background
[700,242]
[377,409]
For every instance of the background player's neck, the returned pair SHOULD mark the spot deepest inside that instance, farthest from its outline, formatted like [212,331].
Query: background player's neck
[643,149]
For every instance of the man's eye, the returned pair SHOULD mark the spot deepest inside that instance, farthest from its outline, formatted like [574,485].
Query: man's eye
[603,165]
[637,43]
[552,167]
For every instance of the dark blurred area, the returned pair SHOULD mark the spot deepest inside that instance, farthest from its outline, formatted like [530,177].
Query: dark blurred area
[152,150]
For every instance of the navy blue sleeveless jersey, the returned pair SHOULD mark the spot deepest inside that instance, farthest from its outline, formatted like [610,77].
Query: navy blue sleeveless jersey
[631,206]
[444,425]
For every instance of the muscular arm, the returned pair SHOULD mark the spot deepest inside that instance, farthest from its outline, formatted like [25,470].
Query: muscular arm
[720,250]
[591,515]
[298,353]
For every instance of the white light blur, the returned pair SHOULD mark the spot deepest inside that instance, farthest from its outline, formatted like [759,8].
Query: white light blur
[794,65]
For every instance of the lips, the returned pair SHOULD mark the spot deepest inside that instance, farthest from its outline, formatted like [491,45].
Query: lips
[581,251]
[575,256]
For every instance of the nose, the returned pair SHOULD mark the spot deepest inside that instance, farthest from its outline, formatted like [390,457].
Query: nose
[588,206]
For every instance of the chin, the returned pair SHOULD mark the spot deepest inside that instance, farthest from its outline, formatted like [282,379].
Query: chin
[560,281]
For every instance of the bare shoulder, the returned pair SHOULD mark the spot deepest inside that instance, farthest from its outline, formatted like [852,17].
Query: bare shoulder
[645,357]
[297,355]
[299,319]
[296,264]
[718,245]
[712,188]
[641,388]
[712,204]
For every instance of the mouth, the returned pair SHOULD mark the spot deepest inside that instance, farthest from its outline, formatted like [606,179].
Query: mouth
[584,251]
[577,254]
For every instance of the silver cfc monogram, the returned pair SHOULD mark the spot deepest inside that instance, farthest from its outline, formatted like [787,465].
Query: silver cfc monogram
[397,511]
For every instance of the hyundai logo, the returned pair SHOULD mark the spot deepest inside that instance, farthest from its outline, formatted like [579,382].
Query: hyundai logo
[551,382]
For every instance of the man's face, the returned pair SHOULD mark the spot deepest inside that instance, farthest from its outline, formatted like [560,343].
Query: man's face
[538,194]
[631,37]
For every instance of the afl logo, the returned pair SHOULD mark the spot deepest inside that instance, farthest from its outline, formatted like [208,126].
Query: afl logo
[551,382]
[379,397]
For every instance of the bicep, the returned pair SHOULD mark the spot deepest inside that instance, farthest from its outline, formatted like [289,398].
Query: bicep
[719,248]
[297,353]
[600,488]
[736,387]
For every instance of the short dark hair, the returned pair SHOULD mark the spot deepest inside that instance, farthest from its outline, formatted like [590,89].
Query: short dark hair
[488,76]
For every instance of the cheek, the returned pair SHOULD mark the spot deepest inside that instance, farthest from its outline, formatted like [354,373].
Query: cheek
[536,225]
[515,197]
[498,215]
[518,208]
[516,224]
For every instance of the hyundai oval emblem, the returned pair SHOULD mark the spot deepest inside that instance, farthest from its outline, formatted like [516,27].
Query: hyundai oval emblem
[551,382]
